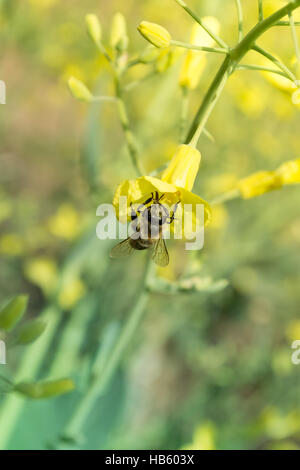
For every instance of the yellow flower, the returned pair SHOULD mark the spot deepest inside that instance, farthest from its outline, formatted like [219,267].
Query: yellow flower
[42,272]
[289,172]
[175,185]
[195,61]
[265,181]
[259,183]
[71,292]
[204,438]
[154,33]
[65,223]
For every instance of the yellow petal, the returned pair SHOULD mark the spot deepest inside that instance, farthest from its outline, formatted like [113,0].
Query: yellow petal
[259,183]
[189,221]
[137,191]
[289,172]
[183,168]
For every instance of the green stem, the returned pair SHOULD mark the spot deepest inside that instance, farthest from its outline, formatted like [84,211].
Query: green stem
[229,196]
[294,36]
[209,102]
[286,23]
[261,68]
[231,61]
[193,47]
[130,139]
[276,61]
[216,38]
[101,381]
[240,19]
[260,10]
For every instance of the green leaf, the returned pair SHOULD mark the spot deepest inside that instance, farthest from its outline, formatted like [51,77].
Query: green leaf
[12,313]
[45,389]
[31,331]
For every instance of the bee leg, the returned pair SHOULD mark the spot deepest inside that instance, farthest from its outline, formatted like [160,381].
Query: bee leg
[172,213]
[149,200]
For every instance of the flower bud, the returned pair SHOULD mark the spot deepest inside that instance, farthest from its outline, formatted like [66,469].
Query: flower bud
[12,313]
[154,33]
[93,28]
[289,172]
[45,389]
[259,183]
[119,39]
[79,90]
[183,168]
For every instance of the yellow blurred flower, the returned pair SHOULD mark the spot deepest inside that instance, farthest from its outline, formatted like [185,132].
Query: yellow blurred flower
[175,184]
[259,183]
[204,438]
[219,217]
[293,330]
[11,244]
[93,27]
[79,90]
[42,272]
[65,223]
[118,37]
[289,172]
[265,181]
[71,293]
[195,61]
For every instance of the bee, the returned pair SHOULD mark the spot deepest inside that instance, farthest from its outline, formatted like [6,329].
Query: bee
[148,221]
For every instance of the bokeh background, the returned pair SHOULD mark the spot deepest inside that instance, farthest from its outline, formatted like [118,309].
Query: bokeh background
[205,370]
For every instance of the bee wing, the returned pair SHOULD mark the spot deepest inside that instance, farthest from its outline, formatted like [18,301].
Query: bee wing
[160,253]
[122,249]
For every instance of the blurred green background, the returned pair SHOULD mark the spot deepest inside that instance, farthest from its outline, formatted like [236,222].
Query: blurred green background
[205,370]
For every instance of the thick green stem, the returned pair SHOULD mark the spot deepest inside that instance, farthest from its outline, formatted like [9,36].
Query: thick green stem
[229,64]
[209,102]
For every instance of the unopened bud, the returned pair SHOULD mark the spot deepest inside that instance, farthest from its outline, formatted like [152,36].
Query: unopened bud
[93,28]
[154,33]
[79,90]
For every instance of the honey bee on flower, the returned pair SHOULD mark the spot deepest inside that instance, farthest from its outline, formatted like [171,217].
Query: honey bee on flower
[173,189]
